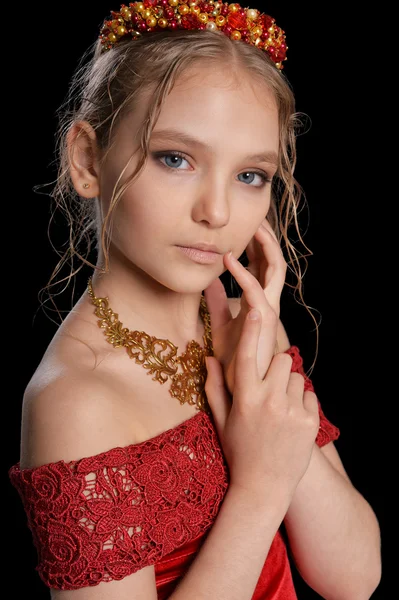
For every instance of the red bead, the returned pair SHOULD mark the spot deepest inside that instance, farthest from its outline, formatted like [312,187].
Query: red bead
[142,26]
[237,21]
[266,21]
[224,10]
[207,8]
[150,3]
[169,13]
[172,24]
[280,54]
[190,21]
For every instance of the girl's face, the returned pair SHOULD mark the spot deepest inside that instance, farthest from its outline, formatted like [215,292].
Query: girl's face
[215,191]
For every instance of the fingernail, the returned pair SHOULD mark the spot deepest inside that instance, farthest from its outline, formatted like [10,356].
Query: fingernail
[253,315]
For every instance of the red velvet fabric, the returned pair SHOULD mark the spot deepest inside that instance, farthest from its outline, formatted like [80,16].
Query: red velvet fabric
[104,517]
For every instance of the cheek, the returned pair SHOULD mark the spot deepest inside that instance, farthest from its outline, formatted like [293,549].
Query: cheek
[145,218]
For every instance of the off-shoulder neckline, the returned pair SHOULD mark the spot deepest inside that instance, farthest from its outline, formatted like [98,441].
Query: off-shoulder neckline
[16,467]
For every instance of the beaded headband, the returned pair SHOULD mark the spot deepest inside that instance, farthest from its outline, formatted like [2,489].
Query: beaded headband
[238,23]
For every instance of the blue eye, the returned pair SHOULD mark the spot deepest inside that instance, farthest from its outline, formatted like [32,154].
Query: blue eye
[179,156]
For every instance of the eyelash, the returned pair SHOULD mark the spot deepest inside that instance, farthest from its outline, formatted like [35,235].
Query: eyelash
[158,155]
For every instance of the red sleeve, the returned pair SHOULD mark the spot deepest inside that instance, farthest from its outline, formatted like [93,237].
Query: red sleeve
[105,517]
[327,431]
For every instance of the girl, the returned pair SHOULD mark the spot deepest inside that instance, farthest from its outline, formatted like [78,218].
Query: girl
[172,445]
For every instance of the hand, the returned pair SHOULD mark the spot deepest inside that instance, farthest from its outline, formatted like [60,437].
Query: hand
[267,431]
[262,284]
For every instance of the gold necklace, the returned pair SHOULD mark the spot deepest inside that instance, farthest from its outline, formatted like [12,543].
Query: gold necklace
[187,386]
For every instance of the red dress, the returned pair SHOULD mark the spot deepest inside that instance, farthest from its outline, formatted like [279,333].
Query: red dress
[106,516]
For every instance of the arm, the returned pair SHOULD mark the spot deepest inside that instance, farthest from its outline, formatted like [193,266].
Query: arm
[329,524]
[65,423]
[230,561]
[333,532]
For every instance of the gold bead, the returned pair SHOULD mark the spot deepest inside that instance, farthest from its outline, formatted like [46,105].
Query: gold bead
[126,14]
[163,23]
[115,24]
[195,10]
[112,37]
[183,9]
[173,2]
[234,7]
[256,31]
[203,17]
[252,13]
[220,20]
[235,35]
[146,14]
[139,7]
[121,30]
[151,22]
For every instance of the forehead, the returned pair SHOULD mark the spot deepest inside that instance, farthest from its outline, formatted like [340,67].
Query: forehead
[227,110]
[218,92]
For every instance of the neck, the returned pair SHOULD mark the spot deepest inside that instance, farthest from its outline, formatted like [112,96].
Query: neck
[142,303]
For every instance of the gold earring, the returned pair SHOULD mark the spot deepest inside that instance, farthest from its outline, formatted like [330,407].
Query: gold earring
[86,185]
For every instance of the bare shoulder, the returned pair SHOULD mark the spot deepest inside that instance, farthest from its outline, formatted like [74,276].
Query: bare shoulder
[71,418]
[71,412]
[74,415]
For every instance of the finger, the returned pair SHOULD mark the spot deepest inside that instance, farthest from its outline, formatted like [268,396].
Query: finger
[254,256]
[279,372]
[276,267]
[296,386]
[218,397]
[252,290]
[310,402]
[217,303]
[266,225]
[246,368]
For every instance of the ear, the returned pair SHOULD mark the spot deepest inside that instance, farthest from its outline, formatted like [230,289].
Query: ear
[84,159]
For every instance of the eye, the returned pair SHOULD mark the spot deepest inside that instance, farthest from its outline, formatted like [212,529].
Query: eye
[179,156]
[264,177]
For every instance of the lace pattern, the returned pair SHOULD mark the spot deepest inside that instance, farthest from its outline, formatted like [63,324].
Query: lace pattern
[327,431]
[104,517]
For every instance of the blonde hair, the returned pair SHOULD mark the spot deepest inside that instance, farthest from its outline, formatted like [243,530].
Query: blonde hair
[107,86]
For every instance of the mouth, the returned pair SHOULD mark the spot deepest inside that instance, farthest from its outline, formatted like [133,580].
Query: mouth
[204,247]
[200,256]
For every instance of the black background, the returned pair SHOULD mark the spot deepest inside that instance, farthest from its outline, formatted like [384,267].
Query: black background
[333,66]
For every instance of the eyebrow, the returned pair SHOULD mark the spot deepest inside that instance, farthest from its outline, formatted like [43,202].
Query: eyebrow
[174,134]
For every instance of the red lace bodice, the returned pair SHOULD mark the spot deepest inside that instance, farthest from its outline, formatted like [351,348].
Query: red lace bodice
[104,517]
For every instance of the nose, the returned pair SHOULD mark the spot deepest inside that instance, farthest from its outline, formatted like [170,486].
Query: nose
[212,204]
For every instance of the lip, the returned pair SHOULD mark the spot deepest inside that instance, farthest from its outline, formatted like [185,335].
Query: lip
[200,256]
[204,247]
